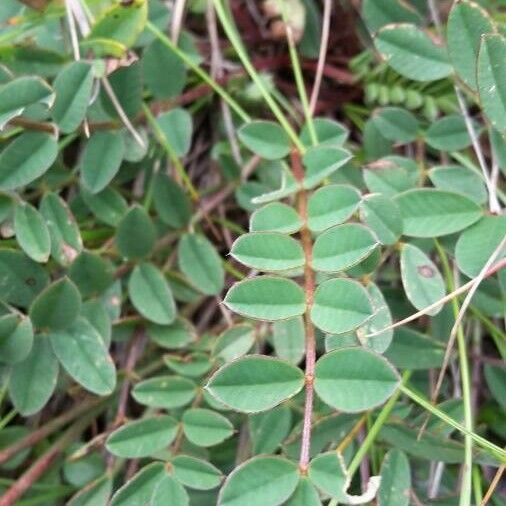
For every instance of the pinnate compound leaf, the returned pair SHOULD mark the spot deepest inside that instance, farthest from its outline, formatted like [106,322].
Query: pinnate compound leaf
[492,79]
[266,298]
[139,490]
[340,305]
[83,355]
[354,379]
[341,247]
[32,233]
[331,205]
[57,307]
[476,244]
[169,491]
[200,263]
[204,427]
[196,473]
[142,437]
[276,217]
[268,251]
[421,279]
[467,23]
[73,91]
[101,159]
[151,295]
[269,481]
[411,53]
[266,139]
[255,383]
[433,213]
[33,380]
[165,392]
[395,480]
[26,158]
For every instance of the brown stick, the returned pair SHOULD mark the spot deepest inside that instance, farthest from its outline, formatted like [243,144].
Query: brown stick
[309,284]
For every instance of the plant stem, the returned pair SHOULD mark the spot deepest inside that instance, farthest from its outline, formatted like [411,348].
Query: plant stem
[234,39]
[309,283]
[197,70]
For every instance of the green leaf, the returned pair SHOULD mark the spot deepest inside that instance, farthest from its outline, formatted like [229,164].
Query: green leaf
[122,22]
[66,242]
[163,85]
[412,53]
[331,205]
[32,381]
[21,279]
[269,429]
[171,202]
[432,213]
[492,79]
[391,175]
[32,233]
[421,279]
[139,490]
[101,159]
[91,273]
[143,437]
[328,132]
[396,124]
[204,427]
[395,480]
[461,180]
[328,473]
[269,481]
[95,312]
[340,305]
[73,87]
[321,162]
[26,158]
[412,350]
[195,473]
[266,298]
[193,365]
[20,93]
[177,128]
[448,134]
[467,23]
[496,381]
[476,244]
[383,217]
[83,355]
[255,383]
[165,392]
[8,436]
[151,295]
[136,234]
[57,306]
[201,264]
[341,247]
[288,339]
[126,83]
[108,206]
[94,494]
[169,491]
[234,342]
[305,494]
[266,139]
[268,251]
[16,338]
[275,217]
[378,13]
[354,379]
[177,335]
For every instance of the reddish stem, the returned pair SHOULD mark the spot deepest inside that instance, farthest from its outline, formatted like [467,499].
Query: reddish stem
[309,284]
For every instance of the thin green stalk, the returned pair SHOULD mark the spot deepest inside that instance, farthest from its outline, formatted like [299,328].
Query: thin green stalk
[478,492]
[234,39]
[297,72]
[7,418]
[200,73]
[170,152]
[465,378]
[497,452]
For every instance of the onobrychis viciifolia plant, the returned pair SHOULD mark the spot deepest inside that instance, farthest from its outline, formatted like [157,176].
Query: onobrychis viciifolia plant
[224,280]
